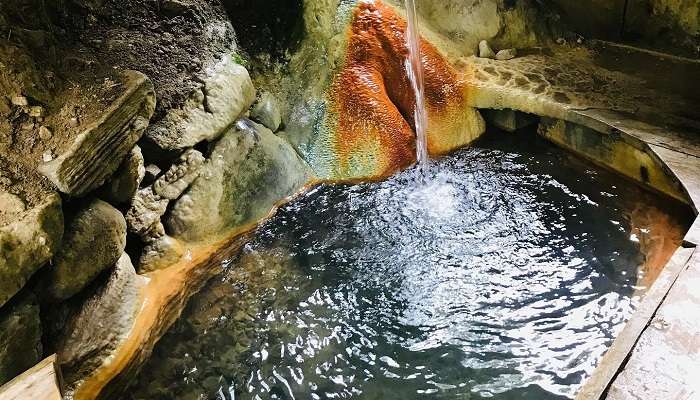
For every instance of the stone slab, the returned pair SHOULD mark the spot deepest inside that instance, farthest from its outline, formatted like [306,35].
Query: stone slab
[665,363]
[616,355]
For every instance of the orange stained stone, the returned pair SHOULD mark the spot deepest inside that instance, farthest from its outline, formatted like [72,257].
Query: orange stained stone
[372,97]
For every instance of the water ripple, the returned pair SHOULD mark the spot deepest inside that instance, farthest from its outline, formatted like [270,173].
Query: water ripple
[503,273]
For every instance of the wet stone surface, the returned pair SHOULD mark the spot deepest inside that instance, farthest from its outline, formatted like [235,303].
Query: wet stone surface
[504,273]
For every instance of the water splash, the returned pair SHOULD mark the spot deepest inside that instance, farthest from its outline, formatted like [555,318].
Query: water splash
[414,69]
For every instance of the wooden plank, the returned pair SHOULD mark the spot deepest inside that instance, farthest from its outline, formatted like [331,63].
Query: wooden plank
[41,382]
[616,356]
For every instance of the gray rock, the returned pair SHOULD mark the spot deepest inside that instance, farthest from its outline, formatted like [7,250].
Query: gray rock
[94,240]
[160,252]
[506,54]
[267,112]
[145,212]
[152,172]
[103,322]
[97,152]
[28,243]
[36,112]
[249,170]
[180,175]
[122,187]
[20,101]
[485,50]
[175,7]
[20,336]
[227,92]
[45,133]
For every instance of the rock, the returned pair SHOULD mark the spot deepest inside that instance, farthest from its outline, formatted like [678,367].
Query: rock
[267,112]
[103,322]
[485,50]
[122,187]
[98,151]
[20,101]
[152,172]
[175,7]
[20,336]
[145,212]
[227,92]
[180,175]
[506,54]
[36,111]
[93,241]
[47,156]
[249,170]
[27,243]
[159,253]
[44,133]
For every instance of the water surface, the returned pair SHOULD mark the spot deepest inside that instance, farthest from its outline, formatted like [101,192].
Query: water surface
[503,273]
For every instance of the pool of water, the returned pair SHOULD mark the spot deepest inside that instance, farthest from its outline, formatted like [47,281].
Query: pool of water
[504,272]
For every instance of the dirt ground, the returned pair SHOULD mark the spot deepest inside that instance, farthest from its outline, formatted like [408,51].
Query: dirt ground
[63,59]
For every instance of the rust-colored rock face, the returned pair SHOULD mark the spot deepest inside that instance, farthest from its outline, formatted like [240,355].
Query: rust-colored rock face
[373,101]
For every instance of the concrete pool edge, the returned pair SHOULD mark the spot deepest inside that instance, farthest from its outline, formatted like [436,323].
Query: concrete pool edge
[584,133]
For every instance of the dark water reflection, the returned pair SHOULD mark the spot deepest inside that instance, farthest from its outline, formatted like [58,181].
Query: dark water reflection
[505,273]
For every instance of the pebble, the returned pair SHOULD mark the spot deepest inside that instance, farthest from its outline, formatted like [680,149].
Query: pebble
[27,126]
[36,111]
[45,133]
[47,156]
[73,122]
[20,101]
[485,50]
[506,54]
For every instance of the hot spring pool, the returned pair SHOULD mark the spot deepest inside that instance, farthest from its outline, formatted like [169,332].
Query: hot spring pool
[504,273]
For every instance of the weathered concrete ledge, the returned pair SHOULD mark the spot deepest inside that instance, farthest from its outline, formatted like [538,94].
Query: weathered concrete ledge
[619,121]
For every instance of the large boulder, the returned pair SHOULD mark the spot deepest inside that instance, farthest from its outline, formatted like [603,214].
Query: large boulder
[97,152]
[226,93]
[103,322]
[20,336]
[94,240]
[249,170]
[28,241]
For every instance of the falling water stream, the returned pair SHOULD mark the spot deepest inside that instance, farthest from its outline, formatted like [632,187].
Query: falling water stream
[414,69]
